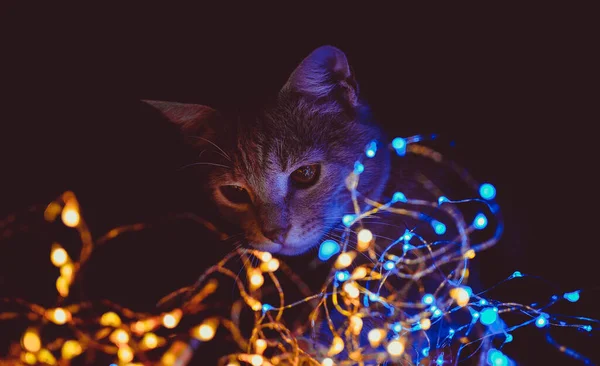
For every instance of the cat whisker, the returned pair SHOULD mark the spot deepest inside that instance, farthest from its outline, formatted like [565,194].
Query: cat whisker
[204,163]
[215,145]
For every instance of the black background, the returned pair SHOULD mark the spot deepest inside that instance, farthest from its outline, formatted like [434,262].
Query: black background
[514,89]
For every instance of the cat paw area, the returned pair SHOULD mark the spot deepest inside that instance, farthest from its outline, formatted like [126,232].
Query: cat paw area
[178,188]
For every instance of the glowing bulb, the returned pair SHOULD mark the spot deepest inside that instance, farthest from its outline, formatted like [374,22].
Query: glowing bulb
[342,275]
[344,260]
[517,274]
[395,348]
[397,327]
[273,265]
[425,323]
[438,227]
[480,221]
[256,279]
[399,144]
[337,346]
[488,316]
[70,216]
[371,149]
[46,357]
[150,340]
[59,316]
[572,296]
[399,197]
[365,237]
[206,331]
[29,358]
[266,307]
[59,256]
[509,338]
[254,304]
[389,265]
[428,299]
[70,349]
[62,286]
[541,321]
[260,345]
[470,254]
[487,191]
[256,360]
[125,354]
[31,341]
[265,256]
[356,324]
[110,319]
[497,358]
[352,290]
[460,295]
[66,271]
[170,320]
[442,199]
[359,273]
[375,336]
[437,313]
[327,362]
[348,220]
[119,336]
[358,168]
[328,249]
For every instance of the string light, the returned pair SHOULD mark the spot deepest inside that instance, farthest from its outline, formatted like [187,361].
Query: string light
[403,284]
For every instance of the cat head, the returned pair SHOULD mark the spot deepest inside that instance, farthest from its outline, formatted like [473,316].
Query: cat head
[283,171]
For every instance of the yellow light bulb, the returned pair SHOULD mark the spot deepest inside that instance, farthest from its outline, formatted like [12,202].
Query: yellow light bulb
[344,260]
[470,254]
[58,256]
[59,315]
[62,286]
[150,340]
[66,271]
[233,363]
[29,358]
[376,336]
[265,256]
[356,324]
[260,345]
[125,354]
[359,273]
[256,360]
[365,237]
[460,295]
[119,336]
[170,320]
[351,290]
[45,356]
[110,319]
[395,348]
[273,265]
[337,346]
[70,216]
[256,279]
[31,341]
[327,362]
[205,332]
[70,349]
[425,323]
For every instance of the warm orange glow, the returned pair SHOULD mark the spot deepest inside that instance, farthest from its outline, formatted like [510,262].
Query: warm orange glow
[256,279]
[110,319]
[31,341]
[119,336]
[344,260]
[337,346]
[206,331]
[62,286]
[359,273]
[59,315]
[352,290]
[327,362]
[70,215]
[470,254]
[260,345]
[125,354]
[170,320]
[376,336]
[425,323]
[58,256]
[150,340]
[70,349]
[29,358]
[45,356]
[395,348]
[257,360]
[356,324]
[265,256]
[460,295]
[365,237]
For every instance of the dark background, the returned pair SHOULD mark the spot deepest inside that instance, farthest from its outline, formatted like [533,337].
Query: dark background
[515,90]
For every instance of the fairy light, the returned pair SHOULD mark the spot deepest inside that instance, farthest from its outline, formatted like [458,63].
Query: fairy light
[365,237]
[371,284]
[395,348]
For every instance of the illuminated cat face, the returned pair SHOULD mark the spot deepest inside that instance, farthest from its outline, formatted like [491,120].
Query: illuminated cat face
[282,172]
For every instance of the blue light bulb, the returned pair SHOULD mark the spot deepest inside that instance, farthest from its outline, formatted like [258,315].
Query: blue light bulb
[397,327]
[437,313]
[425,351]
[480,221]
[428,299]
[483,302]
[266,307]
[327,249]
[399,197]
[487,191]
[442,199]
[497,358]
[517,274]
[440,360]
[509,338]
[371,149]
[358,168]
[541,321]
[488,316]
[407,235]
[438,227]
[399,144]
[348,220]
[572,296]
[342,276]
[389,265]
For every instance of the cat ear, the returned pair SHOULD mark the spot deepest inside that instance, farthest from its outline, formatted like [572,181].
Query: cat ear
[325,73]
[196,122]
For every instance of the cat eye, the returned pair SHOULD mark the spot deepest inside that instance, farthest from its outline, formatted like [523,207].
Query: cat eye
[306,176]
[235,194]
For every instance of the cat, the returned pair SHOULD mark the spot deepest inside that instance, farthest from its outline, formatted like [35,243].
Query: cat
[280,174]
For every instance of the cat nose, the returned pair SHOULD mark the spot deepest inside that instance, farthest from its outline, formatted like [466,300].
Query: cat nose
[276,234]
